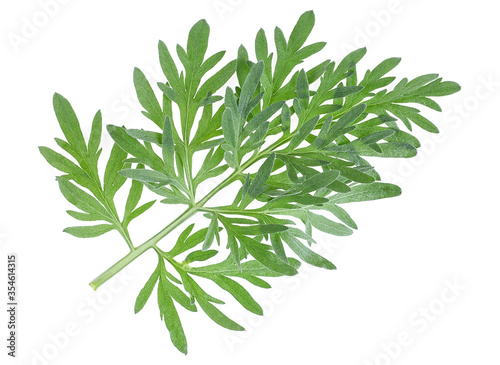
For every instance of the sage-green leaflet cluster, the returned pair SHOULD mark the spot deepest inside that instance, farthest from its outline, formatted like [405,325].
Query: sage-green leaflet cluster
[294,141]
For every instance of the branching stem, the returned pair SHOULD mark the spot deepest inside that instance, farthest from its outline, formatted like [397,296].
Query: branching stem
[188,213]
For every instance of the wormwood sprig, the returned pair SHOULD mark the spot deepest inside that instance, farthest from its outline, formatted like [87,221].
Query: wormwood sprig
[295,141]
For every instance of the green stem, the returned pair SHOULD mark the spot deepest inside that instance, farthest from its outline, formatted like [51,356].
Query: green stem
[126,236]
[189,174]
[121,264]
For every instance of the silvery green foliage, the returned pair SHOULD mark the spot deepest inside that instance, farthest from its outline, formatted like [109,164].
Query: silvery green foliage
[294,140]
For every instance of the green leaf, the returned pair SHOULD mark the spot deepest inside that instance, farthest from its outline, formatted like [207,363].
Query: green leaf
[317,71]
[438,88]
[252,267]
[388,150]
[249,87]
[210,100]
[318,181]
[169,68]
[343,91]
[237,291]
[348,63]
[266,258]
[146,291]
[89,231]
[69,124]
[341,214]
[112,180]
[169,314]
[302,86]
[376,136]
[261,177]
[384,67]
[356,175]
[134,147]
[198,42]
[189,242]
[148,176]
[278,248]
[301,31]
[137,212]
[168,145]
[170,93]
[271,228]
[373,191]
[424,123]
[302,133]
[309,50]
[305,253]
[62,163]
[242,68]
[215,82]
[147,98]
[200,255]
[213,228]
[95,134]
[285,118]
[349,117]
[256,281]
[328,226]
[134,195]
[147,136]
[230,129]
[82,200]
[85,217]
[261,118]
[280,41]
[234,249]
[256,138]
[258,229]
[177,294]
[215,314]
[420,81]
[207,65]
[261,50]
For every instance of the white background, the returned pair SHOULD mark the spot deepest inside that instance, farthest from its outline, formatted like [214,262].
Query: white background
[442,230]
